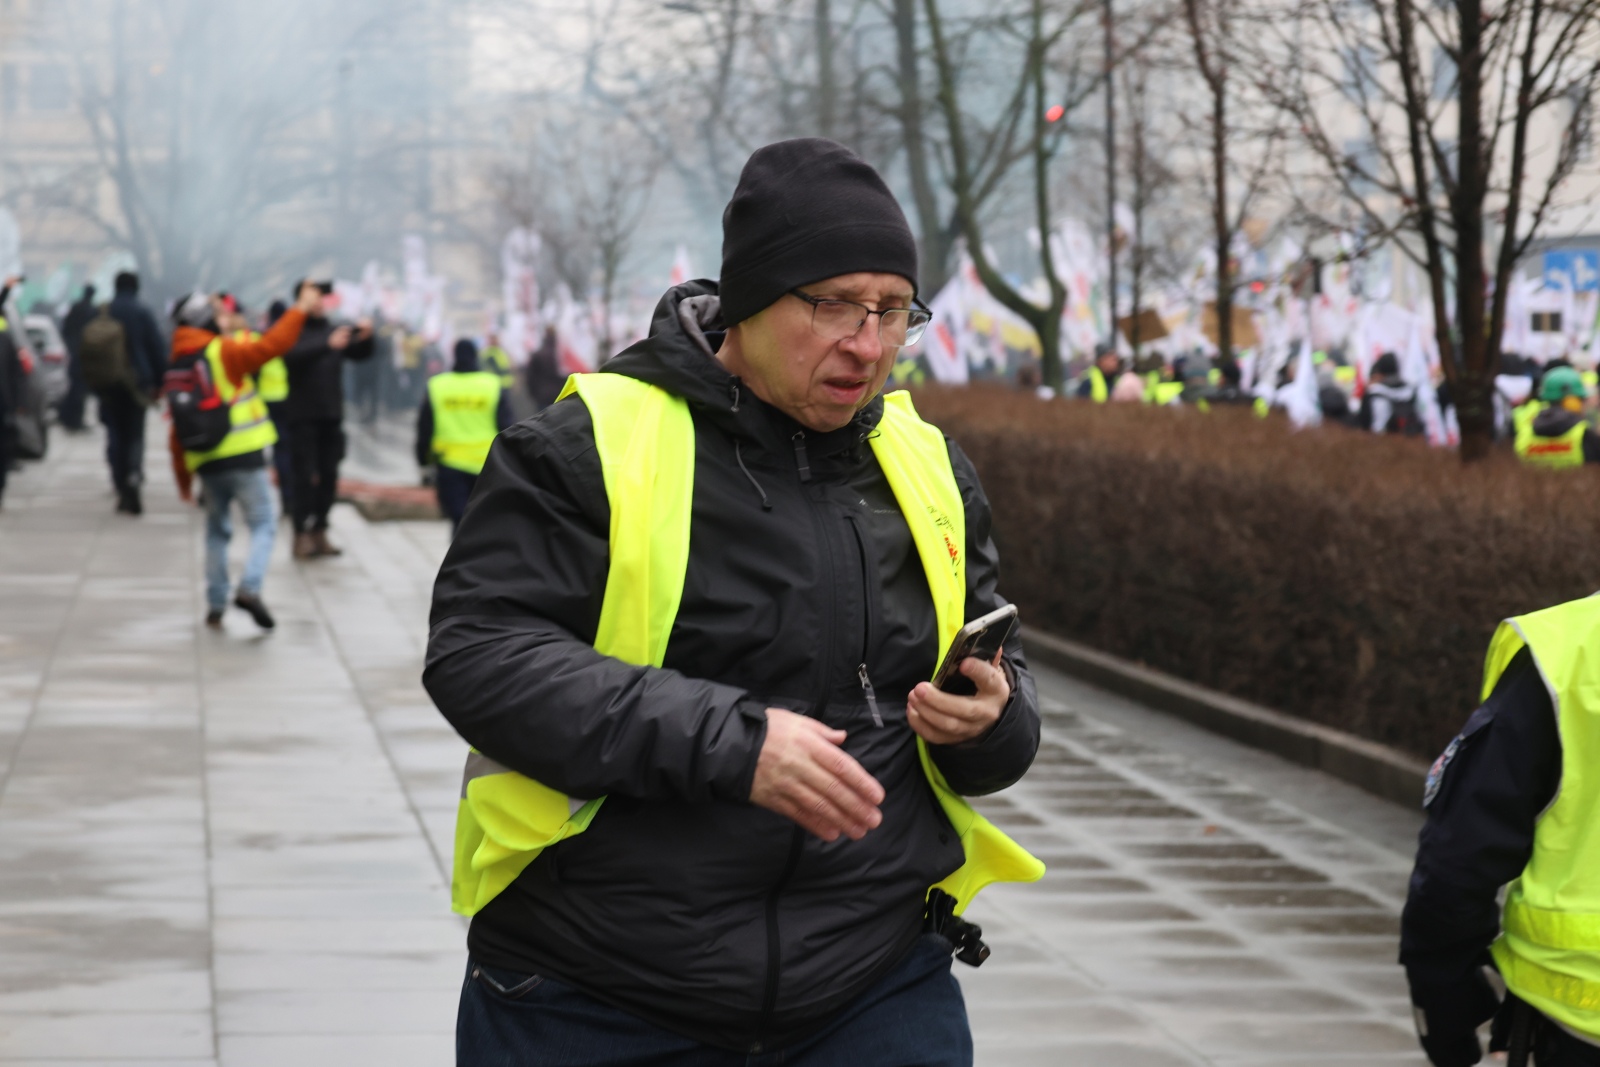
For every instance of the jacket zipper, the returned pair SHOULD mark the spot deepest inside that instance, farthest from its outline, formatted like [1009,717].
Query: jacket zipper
[866,623]
[769,998]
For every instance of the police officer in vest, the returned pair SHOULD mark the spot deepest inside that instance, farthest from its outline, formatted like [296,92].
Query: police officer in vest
[463,410]
[236,468]
[1514,802]
[1559,436]
[715,809]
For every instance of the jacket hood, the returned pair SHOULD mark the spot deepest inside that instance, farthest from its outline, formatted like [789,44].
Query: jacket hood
[679,355]
[1555,421]
[189,339]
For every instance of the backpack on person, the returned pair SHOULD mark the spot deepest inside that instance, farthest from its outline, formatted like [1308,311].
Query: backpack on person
[103,352]
[200,417]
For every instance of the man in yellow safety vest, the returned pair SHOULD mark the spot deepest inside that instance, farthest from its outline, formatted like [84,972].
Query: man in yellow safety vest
[462,411]
[715,808]
[221,370]
[1559,436]
[495,360]
[1513,803]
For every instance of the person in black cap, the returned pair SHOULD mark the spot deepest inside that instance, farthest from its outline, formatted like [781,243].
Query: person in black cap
[710,585]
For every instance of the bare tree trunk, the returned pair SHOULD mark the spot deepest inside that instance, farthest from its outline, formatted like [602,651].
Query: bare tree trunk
[1046,321]
[827,92]
[1474,392]
[934,228]
[1212,61]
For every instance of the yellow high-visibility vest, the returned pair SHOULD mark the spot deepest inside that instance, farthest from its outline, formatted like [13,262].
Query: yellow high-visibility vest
[1553,453]
[464,425]
[495,361]
[249,427]
[645,440]
[1549,951]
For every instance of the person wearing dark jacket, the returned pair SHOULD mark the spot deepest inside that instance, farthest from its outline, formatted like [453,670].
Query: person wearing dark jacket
[315,414]
[1389,403]
[122,409]
[1504,801]
[70,410]
[542,377]
[455,441]
[758,877]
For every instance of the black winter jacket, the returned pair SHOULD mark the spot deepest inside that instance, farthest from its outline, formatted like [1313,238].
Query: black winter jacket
[147,350]
[683,903]
[316,373]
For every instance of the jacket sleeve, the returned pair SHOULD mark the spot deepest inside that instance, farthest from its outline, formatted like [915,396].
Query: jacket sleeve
[1005,753]
[1487,791]
[240,358]
[510,660]
[154,346]
[358,350]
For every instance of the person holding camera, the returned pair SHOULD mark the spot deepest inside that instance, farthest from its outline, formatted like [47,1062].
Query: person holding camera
[314,412]
[689,625]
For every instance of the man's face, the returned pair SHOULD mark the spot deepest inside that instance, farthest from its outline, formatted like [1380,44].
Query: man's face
[1109,362]
[820,383]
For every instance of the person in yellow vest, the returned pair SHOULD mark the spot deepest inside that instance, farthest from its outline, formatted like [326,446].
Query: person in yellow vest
[461,413]
[1559,436]
[1513,804]
[715,809]
[1100,379]
[495,360]
[236,468]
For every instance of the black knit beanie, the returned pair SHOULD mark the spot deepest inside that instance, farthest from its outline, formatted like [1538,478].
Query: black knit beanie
[806,210]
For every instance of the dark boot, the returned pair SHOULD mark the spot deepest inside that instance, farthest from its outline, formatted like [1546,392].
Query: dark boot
[258,611]
[213,620]
[324,546]
[305,546]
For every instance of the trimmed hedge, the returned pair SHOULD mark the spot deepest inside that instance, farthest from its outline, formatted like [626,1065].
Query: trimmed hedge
[1349,579]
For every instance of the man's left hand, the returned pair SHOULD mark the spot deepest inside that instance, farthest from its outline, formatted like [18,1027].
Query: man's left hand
[941,718]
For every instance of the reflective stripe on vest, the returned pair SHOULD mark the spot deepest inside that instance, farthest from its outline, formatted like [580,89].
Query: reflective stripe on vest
[1555,453]
[249,427]
[1549,951]
[464,426]
[645,440]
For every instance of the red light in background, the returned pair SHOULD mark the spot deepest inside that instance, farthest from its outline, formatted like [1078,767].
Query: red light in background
[1054,113]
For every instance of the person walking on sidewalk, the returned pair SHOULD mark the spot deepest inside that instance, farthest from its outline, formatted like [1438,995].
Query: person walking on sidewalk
[315,413]
[715,809]
[1513,803]
[235,469]
[456,423]
[72,405]
[123,363]
[274,384]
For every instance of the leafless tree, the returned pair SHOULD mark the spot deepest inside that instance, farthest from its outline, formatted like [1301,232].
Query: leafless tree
[1471,118]
[1238,152]
[584,187]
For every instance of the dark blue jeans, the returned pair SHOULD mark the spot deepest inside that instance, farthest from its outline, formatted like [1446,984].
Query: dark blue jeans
[913,1017]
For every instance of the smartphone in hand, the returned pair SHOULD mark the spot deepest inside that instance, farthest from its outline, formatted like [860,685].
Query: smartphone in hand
[982,638]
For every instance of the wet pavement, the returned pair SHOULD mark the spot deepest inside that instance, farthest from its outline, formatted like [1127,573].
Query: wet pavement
[233,848]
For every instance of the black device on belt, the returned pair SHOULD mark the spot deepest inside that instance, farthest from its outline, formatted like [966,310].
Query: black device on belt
[965,937]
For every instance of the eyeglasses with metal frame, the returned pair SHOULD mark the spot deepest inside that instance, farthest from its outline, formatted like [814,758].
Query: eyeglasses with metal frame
[839,319]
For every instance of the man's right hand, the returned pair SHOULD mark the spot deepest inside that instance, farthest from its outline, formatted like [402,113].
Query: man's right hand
[309,299]
[803,774]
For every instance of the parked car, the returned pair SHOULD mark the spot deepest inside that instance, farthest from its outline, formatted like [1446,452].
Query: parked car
[31,412]
[50,352]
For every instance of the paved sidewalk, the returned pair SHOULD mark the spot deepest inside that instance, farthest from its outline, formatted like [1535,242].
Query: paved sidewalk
[233,849]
